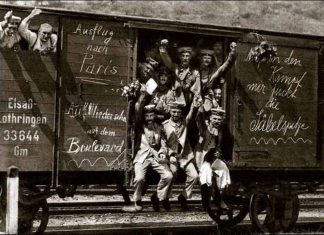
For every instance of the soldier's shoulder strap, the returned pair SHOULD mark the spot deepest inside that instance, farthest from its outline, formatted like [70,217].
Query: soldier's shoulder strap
[165,122]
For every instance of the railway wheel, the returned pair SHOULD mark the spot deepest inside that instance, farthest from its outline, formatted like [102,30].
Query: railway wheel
[236,202]
[261,212]
[33,218]
[270,214]
[289,215]
[33,212]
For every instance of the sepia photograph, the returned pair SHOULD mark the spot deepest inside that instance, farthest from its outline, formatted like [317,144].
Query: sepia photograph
[161,117]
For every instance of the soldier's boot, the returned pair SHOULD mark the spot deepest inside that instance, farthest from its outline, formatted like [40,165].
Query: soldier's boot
[166,204]
[205,196]
[183,202]
[138,206]
[155,202]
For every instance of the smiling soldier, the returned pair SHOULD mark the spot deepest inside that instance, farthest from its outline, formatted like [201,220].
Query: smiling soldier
[44,41]
[9,36]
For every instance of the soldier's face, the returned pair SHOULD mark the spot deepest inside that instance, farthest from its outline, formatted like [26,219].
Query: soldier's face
[215,120]
[149,117]
[147,71]
[206,60]
[218,48]
[11,29]
[45,35]
[163,79]
[175,114]
[185,58]
[218,94]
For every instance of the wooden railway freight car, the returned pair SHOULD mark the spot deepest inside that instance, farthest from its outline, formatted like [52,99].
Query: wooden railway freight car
[63,118]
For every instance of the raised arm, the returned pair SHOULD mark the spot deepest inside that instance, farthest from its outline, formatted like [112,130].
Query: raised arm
[139,107]
[165,56]
[200,120]
[193,109]
[23,29]
[222,70]
[7,17]
[54,42]
[163,148]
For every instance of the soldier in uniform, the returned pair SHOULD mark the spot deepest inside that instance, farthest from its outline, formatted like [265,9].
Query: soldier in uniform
[146,71]
[180,151]
[212,78]
[150,151]
[216,98]
[187,80]
[216,78]
[206,70]
[44,41]
[208,153]
[163,93]
[218,53]
[9,36]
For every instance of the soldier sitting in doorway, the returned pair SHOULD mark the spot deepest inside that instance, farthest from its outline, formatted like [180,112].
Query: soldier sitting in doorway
[150,151]
[44,41]
[9,36]
[180,151]
[208,154]
[163,95]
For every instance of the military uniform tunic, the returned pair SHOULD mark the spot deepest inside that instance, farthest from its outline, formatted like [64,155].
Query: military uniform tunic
[178,145]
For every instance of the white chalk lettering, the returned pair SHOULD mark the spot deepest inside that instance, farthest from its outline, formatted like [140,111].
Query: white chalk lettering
[94,68]
[290,60]
[120,117]
[266,123]
[97,30]
[272,103]
[100,49]
[93,131]
[91,110]
[105,131]
[76,147]
[257,87]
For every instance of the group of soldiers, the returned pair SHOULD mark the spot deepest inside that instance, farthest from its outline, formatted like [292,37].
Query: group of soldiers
[178,126]
[13,31]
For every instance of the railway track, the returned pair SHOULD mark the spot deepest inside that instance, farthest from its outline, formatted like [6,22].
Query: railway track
[194,228]
[112,206]
[104,212]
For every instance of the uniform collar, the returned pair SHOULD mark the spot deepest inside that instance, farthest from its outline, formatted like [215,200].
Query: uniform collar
[175,124]
[182,69]
[154,127]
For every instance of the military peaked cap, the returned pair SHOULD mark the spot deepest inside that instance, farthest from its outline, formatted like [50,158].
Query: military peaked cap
[218,111]
[149,108]
[185,49]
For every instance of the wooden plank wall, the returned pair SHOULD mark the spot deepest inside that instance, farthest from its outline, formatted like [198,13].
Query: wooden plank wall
[276,122]
[95,66]
[27,104]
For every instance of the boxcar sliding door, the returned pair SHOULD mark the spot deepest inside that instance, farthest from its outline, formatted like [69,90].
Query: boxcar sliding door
[96,63]
[276,103]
